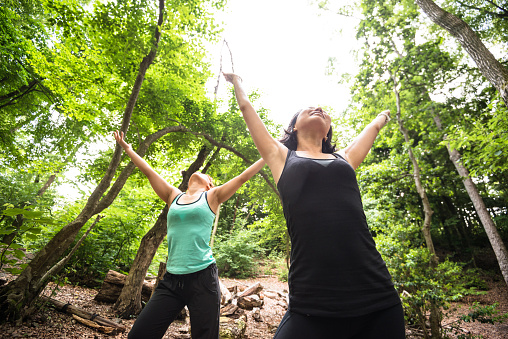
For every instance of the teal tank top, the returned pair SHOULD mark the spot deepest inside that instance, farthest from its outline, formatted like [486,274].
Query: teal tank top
[189,229]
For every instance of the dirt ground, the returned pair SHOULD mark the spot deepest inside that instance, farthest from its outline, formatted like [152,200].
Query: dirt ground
[53,324]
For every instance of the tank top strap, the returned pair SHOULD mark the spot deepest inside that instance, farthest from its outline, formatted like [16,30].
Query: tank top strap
[176,198]
[290,154]
[207,203]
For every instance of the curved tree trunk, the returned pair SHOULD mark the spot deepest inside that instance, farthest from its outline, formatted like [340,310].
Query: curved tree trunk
[488,65]
[18,295]
[488,224]
[129,301]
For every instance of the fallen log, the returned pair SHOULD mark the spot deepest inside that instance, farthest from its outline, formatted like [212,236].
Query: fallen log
[228,310]
[249,302]
[104,329]
[112,287]
[68,308]
[253,289]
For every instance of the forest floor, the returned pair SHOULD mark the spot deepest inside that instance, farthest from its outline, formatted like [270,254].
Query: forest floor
[52,324]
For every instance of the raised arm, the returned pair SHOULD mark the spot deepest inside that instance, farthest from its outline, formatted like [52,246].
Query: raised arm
[356,152]
[219,194]
[270,149]
[164,190]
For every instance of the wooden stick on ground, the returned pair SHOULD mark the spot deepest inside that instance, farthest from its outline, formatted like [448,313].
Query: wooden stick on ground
[100,328]
[85,315]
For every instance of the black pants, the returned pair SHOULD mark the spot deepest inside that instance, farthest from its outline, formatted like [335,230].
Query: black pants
[384,324]
[200,291]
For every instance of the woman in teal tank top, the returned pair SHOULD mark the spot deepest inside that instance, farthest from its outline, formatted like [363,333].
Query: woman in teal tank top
[191,279]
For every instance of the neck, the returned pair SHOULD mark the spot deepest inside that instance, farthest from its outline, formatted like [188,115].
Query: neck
[310,144]
[192,190]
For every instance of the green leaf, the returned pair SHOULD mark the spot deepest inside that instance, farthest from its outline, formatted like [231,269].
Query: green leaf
[19,254]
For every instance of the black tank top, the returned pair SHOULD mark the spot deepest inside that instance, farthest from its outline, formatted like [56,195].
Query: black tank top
[336,270]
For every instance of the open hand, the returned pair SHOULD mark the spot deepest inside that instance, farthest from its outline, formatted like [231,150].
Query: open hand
[119,138]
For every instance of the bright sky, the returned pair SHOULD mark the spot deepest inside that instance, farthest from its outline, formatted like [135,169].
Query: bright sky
[281,48]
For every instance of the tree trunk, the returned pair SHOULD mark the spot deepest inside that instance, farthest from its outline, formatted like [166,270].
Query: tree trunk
[234,213]
[488,65]
[215,225]
[17,296]
[488,224]
[129,301]
[435,312]
[418,183]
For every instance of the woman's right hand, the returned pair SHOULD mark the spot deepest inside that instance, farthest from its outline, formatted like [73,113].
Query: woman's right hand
[119,138]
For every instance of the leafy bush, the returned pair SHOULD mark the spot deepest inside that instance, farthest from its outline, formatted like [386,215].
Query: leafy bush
[235,253]
[278,263]
[418,284]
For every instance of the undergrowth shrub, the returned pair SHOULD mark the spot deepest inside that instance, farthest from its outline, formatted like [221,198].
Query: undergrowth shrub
[235,253]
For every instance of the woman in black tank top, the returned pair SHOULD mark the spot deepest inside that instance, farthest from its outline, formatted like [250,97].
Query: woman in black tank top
[339,286]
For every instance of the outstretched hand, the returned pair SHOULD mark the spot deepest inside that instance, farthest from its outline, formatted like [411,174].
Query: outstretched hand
[386,115]
[231,77]
[119,138]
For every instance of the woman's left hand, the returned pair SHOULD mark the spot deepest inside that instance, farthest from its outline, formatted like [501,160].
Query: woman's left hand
[386,115]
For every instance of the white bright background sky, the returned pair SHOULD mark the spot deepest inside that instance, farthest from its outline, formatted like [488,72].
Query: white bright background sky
[281,48]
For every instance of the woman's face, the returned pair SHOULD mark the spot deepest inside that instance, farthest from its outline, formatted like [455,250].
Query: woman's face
[313,119]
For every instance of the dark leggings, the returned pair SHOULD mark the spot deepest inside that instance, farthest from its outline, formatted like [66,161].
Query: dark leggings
[200,291]
[384,324]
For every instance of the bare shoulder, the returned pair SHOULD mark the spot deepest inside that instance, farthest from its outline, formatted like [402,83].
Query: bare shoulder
[172,195]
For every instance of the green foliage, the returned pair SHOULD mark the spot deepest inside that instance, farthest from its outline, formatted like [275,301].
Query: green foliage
[488,314]
[272,234]
[279,263]
[15,251]
[418,283]
[235,252]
